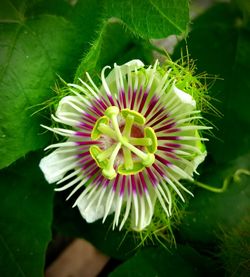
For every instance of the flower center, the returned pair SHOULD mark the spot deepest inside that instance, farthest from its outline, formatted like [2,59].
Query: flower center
[126,150]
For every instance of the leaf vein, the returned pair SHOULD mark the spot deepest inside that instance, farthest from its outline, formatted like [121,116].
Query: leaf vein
[12,256]
[18,31]
[166,17]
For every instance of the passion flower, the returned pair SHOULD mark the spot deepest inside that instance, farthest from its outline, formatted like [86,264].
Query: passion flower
[129,142]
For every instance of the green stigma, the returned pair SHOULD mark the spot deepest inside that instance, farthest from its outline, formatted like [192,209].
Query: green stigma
[128,147]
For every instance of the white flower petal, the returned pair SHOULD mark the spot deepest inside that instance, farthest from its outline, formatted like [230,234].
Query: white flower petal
[146,205]
[69,105]
[95,210]
[195,163]
[56,165]
[184,97]
[182,102]
[129,66]
[134,64]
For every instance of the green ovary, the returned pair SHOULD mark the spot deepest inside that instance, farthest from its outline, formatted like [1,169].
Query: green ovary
[125,154]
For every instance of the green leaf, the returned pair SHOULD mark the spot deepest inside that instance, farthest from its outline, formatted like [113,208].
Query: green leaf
[8,13]
[33,50]
[86,16]
[107,49]
[220,45]
[104,49]
[210,213]
[163,19]
[183,261]
[25,219]
[151,18]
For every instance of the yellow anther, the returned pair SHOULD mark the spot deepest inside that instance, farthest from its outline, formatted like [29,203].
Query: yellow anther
[138,118]
[150,134]
[95,134]
[95,151]
[137,167]
[112,111]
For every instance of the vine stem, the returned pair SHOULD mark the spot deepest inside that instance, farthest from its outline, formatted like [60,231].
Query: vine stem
[235,177]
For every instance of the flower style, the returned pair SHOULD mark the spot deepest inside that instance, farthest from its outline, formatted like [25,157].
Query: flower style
[128,144]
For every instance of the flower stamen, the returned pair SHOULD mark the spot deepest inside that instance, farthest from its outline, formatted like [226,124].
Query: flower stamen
[109,171]
[133,159]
